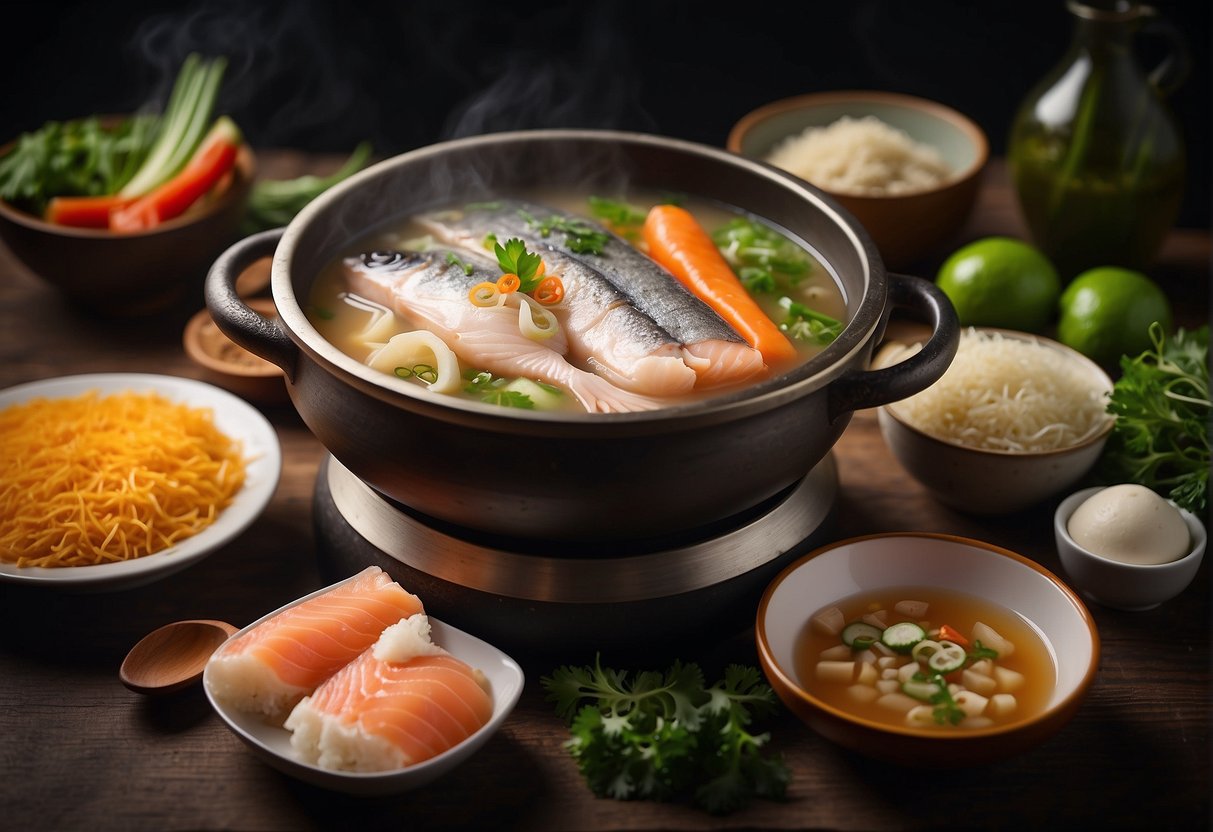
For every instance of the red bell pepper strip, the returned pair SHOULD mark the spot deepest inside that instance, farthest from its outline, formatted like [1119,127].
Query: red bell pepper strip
[84,211]
[215,156]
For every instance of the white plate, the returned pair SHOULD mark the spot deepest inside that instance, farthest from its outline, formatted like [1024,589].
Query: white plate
[273,744]
[232,415]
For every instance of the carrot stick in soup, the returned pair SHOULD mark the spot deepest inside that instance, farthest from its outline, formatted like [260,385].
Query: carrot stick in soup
[677,241]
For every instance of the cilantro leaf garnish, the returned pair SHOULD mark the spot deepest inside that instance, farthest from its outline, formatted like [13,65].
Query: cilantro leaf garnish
[666,736]
[491,390]
[514,258]
[580,236]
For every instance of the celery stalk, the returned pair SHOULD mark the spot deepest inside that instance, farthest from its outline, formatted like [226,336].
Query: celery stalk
[185,120]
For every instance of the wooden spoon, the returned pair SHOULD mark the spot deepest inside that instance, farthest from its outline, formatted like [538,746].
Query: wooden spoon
[173,657]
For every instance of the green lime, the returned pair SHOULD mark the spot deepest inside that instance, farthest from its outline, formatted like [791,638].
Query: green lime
[1106,312]
[1001,282]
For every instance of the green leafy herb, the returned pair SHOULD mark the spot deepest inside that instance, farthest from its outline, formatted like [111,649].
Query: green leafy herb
[616,212]
[83,158]
[805,324]
[946,710]
[73,158]
[492,390]
[514,258]
[623,218]
[580,236]
[273,203]
[453,259]
[1160,438]
[980,652]
[489,241]
[771,261]
[667,736]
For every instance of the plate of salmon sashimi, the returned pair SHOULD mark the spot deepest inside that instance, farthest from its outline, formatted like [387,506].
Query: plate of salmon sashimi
[354,688]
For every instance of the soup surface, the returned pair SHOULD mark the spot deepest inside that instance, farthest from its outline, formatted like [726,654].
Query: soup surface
[925,658]
[552,301]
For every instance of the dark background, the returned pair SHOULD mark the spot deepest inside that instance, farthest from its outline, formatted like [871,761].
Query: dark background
[322,75]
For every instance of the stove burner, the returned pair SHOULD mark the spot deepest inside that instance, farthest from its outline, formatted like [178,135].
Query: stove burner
[537,592]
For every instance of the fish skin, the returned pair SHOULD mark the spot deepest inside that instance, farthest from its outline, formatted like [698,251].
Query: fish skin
[712,349]
[427,290]
[606,329]
[643,281]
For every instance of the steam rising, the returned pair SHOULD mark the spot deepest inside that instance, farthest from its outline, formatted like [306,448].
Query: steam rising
[322,76]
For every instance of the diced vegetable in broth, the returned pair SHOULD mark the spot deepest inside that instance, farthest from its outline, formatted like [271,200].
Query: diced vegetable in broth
[917,676]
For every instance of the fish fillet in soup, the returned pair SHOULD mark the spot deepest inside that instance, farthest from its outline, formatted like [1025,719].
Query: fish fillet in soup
[430,290]
[623,308]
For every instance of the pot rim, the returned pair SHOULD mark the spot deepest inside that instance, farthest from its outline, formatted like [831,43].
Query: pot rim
[866,318]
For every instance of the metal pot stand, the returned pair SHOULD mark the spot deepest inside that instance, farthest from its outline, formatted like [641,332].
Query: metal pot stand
[539,596]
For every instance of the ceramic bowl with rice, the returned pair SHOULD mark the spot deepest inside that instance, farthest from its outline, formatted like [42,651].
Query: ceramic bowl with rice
[907,168]
[1015,420]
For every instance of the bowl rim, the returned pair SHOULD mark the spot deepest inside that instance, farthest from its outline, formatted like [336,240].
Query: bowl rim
[787,683]
[812,375]
[1066,508]
[1072,354]
[943,112]
[245,168]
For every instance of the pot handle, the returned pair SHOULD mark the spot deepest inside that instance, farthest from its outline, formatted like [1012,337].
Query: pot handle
[248,328]
[872,388]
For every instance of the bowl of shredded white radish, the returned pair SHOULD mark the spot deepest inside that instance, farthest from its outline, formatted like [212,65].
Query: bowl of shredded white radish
[1016,419]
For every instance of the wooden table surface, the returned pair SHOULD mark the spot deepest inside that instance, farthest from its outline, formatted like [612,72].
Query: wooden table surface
[80,751]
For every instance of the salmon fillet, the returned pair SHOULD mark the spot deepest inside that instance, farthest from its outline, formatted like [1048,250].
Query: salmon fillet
[269,668]
[379,714]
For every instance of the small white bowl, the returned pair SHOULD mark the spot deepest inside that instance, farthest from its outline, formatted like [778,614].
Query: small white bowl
[1125,586]
[273,743]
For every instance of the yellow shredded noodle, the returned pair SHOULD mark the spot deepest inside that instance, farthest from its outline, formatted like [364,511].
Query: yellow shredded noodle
[100,479]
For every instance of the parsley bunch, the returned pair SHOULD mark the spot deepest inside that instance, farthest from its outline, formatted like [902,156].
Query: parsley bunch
[667,736]
[1162,407]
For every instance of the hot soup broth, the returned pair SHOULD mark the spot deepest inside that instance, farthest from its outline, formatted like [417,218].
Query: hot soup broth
[613,332]
[927,659]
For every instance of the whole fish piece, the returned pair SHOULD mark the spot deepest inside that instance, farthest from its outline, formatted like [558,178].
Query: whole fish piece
[606,331]
[431,292]
[710,347]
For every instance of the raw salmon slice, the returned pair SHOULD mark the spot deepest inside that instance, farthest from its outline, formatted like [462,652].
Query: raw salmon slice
[272,666]
[402,702]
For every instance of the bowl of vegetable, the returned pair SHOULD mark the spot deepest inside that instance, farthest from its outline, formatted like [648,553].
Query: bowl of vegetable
[926,649]
[123,214]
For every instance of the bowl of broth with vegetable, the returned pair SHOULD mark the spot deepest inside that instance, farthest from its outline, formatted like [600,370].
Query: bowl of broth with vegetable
[578,335]
[926,649]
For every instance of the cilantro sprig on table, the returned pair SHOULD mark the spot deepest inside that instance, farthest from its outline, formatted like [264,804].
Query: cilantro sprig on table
[667,736]
[1163,409]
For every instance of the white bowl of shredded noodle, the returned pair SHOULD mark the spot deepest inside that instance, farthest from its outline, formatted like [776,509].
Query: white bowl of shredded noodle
[114,480]
[1016,419]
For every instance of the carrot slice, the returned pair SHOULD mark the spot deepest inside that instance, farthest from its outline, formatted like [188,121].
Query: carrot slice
[209,164]
[677,241]
[950,633]
[84,211]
